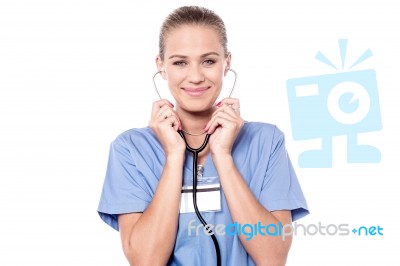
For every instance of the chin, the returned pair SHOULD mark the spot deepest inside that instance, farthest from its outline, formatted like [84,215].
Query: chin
[198,107]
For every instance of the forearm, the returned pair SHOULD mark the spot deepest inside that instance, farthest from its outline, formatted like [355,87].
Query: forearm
[153,236]
[245,209]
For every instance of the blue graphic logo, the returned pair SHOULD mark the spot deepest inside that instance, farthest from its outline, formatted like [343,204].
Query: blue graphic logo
[325,106]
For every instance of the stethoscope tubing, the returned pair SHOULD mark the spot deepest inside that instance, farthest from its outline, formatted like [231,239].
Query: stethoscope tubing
[195,153]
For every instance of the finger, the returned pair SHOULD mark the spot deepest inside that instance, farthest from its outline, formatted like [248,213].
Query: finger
[218,121]
[224,110]
[173,122]
[164,112]
[232,102]
[228,110]
[234,112]
[220,114]
[216,112]
[159,104]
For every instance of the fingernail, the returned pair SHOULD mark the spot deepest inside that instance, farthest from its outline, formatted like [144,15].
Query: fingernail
[218,104]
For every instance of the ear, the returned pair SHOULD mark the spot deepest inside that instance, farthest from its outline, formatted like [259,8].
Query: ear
[160,67]
[227,63]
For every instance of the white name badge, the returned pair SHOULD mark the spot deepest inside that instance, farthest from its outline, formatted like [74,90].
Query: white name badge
[208,198]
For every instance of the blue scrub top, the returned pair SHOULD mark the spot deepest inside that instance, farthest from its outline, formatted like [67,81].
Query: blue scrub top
[135,165]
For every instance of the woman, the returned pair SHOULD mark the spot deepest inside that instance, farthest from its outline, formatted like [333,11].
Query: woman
[148,166]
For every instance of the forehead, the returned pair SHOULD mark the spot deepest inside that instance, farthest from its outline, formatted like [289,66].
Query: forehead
[192,40]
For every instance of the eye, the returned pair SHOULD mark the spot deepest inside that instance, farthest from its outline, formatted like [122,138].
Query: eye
[179,63]
[209,62]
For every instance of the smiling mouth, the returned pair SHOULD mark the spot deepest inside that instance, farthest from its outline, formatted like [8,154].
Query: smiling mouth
[196,91]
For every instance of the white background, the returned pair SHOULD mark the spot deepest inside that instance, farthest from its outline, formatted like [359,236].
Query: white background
[74,74]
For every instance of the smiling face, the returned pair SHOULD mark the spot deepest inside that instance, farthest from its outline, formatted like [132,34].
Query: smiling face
[194,65]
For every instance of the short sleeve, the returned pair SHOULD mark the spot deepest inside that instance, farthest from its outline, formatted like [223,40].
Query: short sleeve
[281,189]
[122,190]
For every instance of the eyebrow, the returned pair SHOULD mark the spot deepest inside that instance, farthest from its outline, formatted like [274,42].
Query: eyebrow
[201,56]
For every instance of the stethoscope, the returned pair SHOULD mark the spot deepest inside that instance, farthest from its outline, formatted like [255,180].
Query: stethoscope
[196,153]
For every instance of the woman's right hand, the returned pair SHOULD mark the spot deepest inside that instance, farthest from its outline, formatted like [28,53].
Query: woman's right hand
[165,123]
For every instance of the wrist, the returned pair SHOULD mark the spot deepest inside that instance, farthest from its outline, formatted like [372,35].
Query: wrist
[222,159]
[175,158]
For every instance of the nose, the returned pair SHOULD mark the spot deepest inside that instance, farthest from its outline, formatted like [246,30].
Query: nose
[195,74]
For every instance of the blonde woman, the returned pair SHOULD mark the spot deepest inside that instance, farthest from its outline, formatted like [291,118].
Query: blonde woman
[247,161]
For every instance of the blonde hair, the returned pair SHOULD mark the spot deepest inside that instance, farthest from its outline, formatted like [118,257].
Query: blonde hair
[192,15]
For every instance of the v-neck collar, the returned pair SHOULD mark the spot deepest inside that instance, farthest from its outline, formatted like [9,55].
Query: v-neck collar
[208,166]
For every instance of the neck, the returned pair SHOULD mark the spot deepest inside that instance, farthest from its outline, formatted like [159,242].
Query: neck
[194,122]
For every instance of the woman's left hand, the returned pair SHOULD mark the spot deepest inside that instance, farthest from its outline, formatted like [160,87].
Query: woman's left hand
[225,125]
